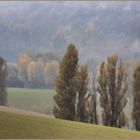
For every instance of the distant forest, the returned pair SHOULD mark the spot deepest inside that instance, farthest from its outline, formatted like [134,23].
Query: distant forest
[97,29]
[34,71]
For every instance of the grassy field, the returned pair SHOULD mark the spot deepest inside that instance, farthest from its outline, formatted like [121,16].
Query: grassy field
[40,100]
[21,126]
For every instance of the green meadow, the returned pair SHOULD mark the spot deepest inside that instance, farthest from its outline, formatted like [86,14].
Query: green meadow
[39,100]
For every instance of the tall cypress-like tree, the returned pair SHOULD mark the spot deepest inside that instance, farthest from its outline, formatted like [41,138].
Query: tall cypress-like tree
[65,85]
[136,99]
[94,102]
[112,87]
[104,97]
[81,89]
[3,76]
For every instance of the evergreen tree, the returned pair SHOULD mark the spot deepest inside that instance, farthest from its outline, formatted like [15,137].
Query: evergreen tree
[65,85]
[112,88]
[136,99]
[3,76]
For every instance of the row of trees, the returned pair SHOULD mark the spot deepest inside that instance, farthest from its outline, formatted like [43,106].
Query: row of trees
[71,81]
[37,72]
[75,100]
[13,77]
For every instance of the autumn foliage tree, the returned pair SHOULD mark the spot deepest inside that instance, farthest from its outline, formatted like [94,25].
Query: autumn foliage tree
[65,85]
[23,62]
[31,71]
[112,87]
[36,73]
[3,76]
[38,70]
[51,70]
[136,99]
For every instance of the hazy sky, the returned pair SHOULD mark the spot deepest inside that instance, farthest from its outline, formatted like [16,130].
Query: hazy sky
[103,4]
[92,26]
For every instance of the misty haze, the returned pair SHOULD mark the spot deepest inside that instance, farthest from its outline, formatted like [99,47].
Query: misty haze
[76,61]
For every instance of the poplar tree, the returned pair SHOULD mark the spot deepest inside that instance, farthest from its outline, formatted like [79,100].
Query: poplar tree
[3,76]
[94,102]
[136,99]
[112,87]
[65,97]
[81,89]
[91,102]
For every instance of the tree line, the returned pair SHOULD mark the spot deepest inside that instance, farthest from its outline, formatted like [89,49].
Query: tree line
[37,73]
[79,96]
[76,101]
[34,71]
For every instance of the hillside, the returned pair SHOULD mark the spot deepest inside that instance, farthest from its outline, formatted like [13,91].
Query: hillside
[23,111]
[98,29]
[22,126]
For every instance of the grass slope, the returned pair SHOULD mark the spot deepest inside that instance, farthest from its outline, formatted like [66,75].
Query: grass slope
[39,100]
[21,126]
